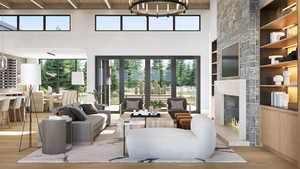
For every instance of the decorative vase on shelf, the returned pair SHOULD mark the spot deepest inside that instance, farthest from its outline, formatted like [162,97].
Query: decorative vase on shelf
[278,80]
[286,78]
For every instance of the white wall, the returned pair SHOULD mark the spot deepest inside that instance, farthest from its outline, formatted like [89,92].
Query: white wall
[212,36]
[83,41]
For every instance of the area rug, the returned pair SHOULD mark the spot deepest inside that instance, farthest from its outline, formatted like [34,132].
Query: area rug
[108,148]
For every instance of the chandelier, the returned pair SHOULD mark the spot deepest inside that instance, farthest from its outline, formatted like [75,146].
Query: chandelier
[158,7]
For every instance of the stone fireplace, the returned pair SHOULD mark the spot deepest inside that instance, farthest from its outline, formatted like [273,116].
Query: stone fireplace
[230,96]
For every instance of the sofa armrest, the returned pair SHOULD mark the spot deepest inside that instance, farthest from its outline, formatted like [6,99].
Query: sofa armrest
[82,132]
[108,113]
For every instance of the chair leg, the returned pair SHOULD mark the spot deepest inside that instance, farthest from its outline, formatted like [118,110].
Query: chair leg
[1,120]
[8,119]
[15,117]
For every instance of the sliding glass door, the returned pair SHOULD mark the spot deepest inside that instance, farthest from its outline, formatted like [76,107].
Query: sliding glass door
[150,78]
[134,78]
[160,70]
[186,81]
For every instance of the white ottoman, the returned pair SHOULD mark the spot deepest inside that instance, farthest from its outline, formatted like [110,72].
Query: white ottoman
[173,144]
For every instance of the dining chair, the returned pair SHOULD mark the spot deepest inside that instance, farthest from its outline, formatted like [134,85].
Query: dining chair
[16,109]
[37,102]
[4,110]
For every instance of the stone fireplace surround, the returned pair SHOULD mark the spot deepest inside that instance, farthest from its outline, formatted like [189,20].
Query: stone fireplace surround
[235,87]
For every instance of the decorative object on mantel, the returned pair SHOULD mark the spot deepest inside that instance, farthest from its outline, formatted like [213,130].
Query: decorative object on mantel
[158,7]
[280,99]
[286,77]
[274,57]
[276,36]
[278,80]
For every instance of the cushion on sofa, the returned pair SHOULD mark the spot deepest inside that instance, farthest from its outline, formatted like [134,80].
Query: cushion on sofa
[89,109]
[65,111]
[177,105]
[80,114]
[132,105]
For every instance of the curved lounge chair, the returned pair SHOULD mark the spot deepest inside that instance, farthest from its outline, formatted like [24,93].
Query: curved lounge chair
[172,143]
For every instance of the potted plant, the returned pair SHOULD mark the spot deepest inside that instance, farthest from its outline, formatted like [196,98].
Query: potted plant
[157,105]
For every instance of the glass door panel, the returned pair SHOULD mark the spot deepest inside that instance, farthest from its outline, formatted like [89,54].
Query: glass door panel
[160,79]
[186,81]
[114,85]
[134,78]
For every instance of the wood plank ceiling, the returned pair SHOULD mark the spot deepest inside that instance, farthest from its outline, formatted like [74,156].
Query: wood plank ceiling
[81,4]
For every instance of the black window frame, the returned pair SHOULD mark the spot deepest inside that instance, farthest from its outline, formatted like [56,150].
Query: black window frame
[121,22]
[17,18]
[44,24]
[147,26]
[199,16]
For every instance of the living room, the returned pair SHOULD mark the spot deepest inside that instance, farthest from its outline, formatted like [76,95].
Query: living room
[126,87]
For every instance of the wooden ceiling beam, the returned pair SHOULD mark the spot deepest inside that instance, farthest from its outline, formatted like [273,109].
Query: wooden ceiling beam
[39,3]
[73,4]
[107,4]
[5,4]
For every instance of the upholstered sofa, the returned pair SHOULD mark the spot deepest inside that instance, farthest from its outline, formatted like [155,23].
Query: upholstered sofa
[87,128]
[172,143]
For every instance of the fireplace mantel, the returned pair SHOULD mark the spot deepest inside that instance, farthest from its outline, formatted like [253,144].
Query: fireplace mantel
[235,87]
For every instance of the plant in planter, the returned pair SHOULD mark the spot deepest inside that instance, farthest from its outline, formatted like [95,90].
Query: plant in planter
[156,105]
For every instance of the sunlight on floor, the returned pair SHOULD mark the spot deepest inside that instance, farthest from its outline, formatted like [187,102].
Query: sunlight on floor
[13,133]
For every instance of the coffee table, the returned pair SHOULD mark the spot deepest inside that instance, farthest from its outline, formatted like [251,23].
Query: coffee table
[164,121]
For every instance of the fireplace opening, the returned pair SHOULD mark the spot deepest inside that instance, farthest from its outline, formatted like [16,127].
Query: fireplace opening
[231,111]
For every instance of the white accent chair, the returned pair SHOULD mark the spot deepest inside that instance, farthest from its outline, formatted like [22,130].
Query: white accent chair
[172,143]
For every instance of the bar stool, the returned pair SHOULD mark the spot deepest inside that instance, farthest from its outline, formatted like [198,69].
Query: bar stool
[4,110]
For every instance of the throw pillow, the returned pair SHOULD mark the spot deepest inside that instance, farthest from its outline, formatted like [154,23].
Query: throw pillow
[88,109]
[177,105]
[65,111]
[80,115]
[132,105]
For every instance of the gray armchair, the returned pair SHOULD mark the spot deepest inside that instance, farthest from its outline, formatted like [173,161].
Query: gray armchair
[177,105]
[131,104]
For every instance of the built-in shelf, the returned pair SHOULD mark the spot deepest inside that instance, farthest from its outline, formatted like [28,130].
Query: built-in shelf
[292,63]
[289,41]
[277,123]
[280,109]
[276,86]
[214,64]
[282,22]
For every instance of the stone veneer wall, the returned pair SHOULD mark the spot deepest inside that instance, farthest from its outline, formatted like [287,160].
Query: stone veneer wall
[238,21]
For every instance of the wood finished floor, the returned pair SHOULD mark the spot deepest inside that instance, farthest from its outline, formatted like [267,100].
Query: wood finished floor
[257,159]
